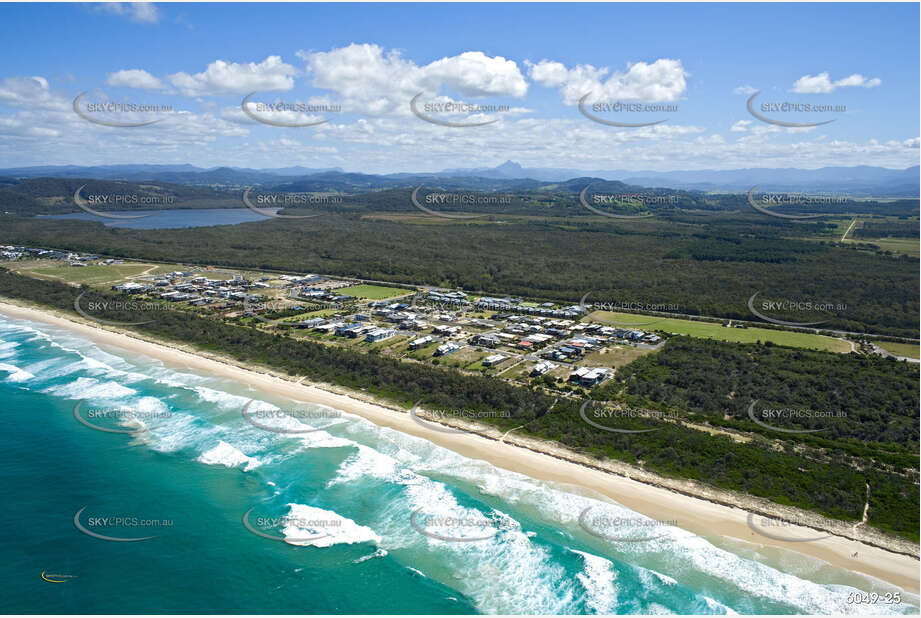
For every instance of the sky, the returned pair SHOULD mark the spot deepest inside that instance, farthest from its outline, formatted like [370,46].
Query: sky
[515,74]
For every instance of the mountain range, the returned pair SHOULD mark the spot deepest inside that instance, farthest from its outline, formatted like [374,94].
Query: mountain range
[859,181]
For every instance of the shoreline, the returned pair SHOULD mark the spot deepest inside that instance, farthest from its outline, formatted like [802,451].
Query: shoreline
[707,512]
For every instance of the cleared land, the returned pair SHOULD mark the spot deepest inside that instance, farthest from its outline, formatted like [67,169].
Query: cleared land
[94,274]
[712,330]
[908,350]
[373,292]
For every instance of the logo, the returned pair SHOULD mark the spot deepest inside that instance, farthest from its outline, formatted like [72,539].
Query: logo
[778,200]
[113,521]
[586,205]
[84,206]
[281,414]
[278,521]
[475,524]
[610,307]
[268,306]
[265,213]
[113,107]
[57,578]
[613,414]
[616,107]
[415,200]
[277,123]
[619,524]
[104,306]
[781,305]
[780,524]
[783,413]
[108,413]
[783,107]
[453,107]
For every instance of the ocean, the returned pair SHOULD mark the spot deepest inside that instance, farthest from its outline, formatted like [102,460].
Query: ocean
[213,497]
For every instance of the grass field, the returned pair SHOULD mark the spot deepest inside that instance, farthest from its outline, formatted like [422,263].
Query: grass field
[906,246]
[373,292]
[94,275]
[711,330]
[616,356]
[909,350]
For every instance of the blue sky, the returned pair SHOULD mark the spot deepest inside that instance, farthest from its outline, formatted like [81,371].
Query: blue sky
[361,64]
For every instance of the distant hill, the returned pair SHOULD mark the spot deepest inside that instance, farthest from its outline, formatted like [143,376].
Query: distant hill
[859,181]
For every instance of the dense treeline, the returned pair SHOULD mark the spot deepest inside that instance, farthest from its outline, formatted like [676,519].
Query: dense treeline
[830,486]
[883,229]
[50,196]
[683,260]
[859,399]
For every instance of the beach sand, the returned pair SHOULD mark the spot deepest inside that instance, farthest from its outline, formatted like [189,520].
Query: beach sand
[702,517]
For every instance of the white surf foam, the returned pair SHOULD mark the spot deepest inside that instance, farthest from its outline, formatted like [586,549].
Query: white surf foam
[227,455]
[316,527]
[599,581]
[15,373]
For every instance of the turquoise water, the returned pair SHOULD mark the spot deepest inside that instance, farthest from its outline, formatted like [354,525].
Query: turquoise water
[344,497]
[171,219]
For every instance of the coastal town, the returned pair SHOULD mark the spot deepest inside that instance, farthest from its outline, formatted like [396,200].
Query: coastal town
[553,344]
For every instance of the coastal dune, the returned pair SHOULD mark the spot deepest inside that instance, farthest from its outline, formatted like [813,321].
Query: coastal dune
[709,518]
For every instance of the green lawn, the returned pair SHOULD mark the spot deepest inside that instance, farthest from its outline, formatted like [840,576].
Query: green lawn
[711,330]
[900,349]
[101,276]
[372,292]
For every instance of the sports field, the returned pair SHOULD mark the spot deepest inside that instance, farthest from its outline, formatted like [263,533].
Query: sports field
[712,330]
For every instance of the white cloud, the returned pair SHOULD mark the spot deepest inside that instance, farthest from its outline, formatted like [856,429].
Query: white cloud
[663,80]
[371,81]
[140,12]
[822,83]
[135,78]
[29,92]
[741,126]
[235,78]
[746,90]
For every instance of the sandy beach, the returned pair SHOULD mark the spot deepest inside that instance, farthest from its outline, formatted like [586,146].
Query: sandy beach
[708,518]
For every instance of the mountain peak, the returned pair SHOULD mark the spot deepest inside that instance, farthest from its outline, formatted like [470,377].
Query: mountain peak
[509,166]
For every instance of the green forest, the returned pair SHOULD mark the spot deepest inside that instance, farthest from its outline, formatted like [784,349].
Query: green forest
[704,263]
